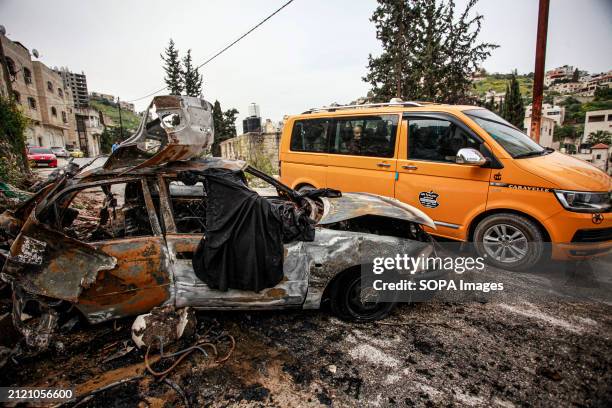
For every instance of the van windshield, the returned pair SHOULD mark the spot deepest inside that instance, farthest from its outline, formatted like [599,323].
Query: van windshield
[515,142]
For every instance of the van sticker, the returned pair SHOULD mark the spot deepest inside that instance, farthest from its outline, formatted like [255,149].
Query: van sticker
[521,187]
[429,199]
[497,176]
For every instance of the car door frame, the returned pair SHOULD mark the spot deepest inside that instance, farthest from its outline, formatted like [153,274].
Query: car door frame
[191,291]
[112,296]
[405,166]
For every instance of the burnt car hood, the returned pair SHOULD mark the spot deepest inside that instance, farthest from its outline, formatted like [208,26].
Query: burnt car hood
[353,205]
[173,128]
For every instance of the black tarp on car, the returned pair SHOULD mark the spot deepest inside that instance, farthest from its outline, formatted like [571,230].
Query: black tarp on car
[242,247]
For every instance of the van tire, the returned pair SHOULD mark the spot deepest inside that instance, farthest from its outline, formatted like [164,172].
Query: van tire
[344,305]
[521,253]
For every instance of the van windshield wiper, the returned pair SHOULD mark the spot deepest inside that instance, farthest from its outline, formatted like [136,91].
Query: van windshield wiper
[547,150]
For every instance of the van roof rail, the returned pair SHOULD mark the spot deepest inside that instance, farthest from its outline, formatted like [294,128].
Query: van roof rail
[367,105]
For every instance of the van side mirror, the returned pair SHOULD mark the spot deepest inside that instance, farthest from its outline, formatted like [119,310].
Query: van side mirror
[470,156]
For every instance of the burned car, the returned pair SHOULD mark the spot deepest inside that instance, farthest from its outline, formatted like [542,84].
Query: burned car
[122,239]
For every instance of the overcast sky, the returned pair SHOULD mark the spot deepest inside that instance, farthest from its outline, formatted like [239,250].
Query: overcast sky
[312,53]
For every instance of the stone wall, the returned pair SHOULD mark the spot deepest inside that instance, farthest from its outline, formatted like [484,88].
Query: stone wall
[255,148]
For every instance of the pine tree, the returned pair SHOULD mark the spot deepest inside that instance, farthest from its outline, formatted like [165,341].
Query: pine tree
[429,51]
[191,77]
[229,122]
[172,67]
[219,129]
[514,108]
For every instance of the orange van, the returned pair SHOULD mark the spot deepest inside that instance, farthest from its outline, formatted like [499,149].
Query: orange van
[477,176]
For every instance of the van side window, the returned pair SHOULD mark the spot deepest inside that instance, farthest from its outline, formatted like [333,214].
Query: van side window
[365,136]
[310,136]
[437,140]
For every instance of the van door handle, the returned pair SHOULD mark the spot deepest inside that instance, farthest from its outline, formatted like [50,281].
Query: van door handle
[383,165]
[409,167]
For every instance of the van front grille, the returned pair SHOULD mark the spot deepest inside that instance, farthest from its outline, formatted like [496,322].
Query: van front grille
[593,235]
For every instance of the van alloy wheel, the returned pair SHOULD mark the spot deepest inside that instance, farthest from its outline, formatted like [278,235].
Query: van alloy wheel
[509,241]
[505,243]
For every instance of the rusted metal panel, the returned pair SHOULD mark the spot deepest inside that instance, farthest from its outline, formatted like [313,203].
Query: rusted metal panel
[139,282]
[353,205]
[182,126]
[48,263]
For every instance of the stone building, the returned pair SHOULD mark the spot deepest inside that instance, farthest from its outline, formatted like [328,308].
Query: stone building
[56,108]
[41,95]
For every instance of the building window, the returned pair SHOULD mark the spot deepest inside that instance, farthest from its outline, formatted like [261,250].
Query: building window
[597,118]
[17,96]
[60,92]
[49,86]
[27,75]
[11,66]
[53,111]
[64,117]
[598,157]
[32,103]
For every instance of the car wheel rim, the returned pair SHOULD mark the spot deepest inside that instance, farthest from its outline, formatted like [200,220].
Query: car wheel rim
[358,307]
[505,243]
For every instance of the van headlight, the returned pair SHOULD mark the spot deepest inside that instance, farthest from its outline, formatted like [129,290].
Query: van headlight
[584,201]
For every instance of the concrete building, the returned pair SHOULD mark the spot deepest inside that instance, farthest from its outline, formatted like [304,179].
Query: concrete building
[56,109]
[554,112]
[77,84]
[566,88]
[41,96]
[565,72]
[547,129]
[127,106]
[601,156]
[89,127]
[597,120]
[592,82]
[102,96]
[495,97]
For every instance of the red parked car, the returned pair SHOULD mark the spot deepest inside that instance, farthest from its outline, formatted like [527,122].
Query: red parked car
[41,155]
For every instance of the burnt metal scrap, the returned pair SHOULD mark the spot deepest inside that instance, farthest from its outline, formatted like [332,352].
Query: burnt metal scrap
[135,252]
[173,128]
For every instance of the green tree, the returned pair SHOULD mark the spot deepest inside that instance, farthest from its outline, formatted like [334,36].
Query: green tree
[429,52]
[514,109]
[576,75]
[225,126]
[13,160]
[568,136]
[600,136]
[191,77]
[172,67]
[110,135]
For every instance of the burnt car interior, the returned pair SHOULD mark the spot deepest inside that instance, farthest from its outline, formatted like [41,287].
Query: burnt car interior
[108,211]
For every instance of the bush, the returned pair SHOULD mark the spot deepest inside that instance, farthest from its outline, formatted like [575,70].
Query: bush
[14,167]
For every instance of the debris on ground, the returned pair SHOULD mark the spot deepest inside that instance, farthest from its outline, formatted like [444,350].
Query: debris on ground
[163,326]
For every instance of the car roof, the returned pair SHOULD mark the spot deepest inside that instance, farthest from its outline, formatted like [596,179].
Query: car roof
[197,164]
[383,109]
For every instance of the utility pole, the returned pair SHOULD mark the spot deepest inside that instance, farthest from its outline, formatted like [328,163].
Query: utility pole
[120,121]
[538,74]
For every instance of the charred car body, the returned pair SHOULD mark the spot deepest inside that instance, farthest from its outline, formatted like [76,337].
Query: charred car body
[137,251]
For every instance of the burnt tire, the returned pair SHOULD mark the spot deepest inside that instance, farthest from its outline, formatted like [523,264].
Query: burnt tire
[346,301]
[509,241]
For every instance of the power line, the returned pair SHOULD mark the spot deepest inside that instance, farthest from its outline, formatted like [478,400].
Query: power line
[224,49]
